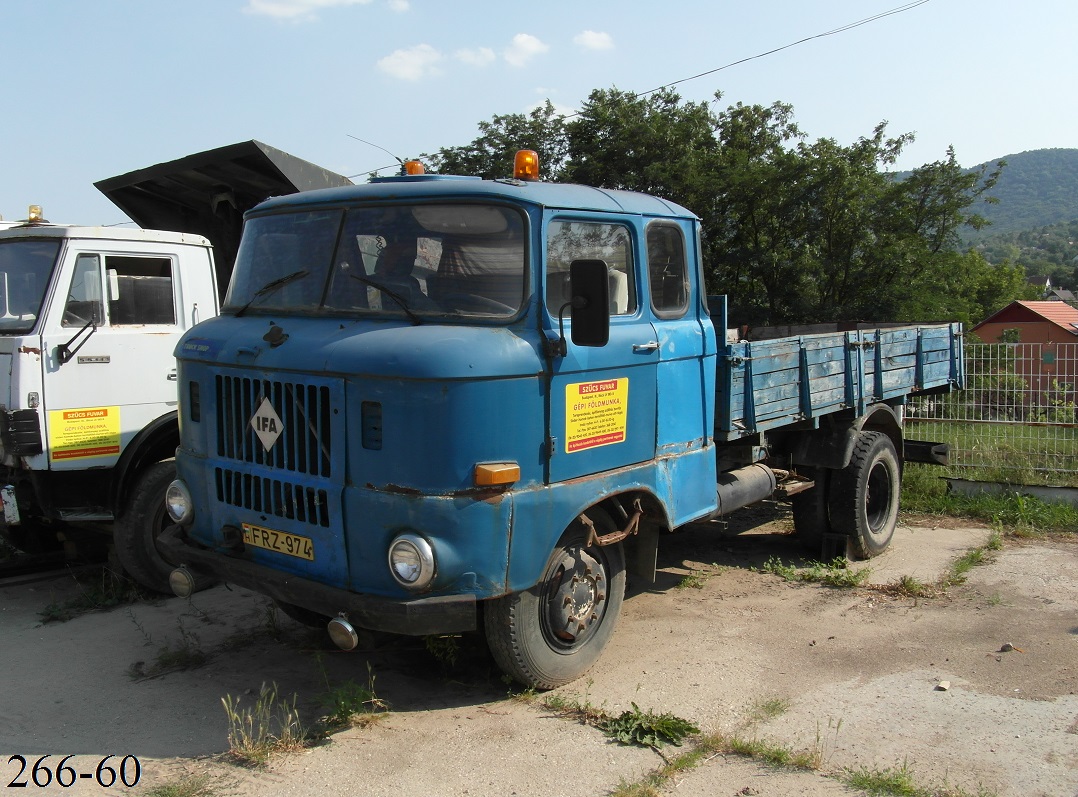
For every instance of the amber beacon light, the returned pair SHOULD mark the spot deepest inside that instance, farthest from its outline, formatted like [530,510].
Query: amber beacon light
[526,165]
[414,167]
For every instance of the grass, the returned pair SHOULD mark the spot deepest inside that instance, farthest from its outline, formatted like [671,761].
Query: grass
[900,782]
[631,727]
[99,589]
[350,704]
[924,492]
[187,787]
[695,579]
[764,710]
[271,725]
[836,573]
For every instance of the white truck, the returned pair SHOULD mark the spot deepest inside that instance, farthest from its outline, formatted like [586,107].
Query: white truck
[89,319]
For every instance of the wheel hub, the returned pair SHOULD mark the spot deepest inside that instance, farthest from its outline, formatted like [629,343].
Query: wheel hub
[576,598]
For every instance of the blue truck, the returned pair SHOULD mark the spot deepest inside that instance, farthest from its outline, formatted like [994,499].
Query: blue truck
[436,404]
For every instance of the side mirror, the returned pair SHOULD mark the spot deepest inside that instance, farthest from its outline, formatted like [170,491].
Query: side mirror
[589,289]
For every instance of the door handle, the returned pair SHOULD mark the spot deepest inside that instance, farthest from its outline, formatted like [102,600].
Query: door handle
[171,375]
[651,345]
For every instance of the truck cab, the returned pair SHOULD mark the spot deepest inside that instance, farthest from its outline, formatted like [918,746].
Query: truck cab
[89,319]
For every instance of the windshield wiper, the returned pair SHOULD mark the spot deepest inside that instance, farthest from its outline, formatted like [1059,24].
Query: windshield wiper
[271,286]
[392,295]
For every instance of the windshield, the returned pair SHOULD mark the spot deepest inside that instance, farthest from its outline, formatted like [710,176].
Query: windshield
[410,261]
[25,268]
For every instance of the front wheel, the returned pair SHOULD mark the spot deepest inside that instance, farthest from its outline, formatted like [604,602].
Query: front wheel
[136,531]
[864,496]
[554,632]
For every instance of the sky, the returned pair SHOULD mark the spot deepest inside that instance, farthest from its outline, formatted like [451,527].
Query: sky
[96,89]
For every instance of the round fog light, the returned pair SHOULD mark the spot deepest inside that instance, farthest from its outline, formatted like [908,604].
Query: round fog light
[178,502]
[182,582]
[411,561]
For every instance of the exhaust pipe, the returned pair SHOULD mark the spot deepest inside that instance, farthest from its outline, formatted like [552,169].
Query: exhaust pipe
[744,486]
[342,633]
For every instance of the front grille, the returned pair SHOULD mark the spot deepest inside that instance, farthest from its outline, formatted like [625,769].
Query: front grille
[20,432]
[306,436]
[272,496]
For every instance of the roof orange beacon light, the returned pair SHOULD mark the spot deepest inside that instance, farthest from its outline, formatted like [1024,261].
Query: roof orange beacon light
[526,165]
[414,167]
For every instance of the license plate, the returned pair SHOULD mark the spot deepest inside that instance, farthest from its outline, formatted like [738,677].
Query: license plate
[279,542]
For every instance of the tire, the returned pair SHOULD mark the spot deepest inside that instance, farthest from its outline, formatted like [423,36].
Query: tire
[864,496]
[810,510]
[136,530]
[537,637]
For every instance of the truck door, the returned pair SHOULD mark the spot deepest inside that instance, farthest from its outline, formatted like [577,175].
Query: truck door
[601,400]
[107,353]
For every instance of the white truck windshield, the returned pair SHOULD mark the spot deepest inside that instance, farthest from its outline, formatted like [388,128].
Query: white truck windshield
[431,260]
[25,268]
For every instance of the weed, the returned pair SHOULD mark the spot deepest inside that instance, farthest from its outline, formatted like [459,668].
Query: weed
[100,589]
[445,649]
[899,782]
[836,573]
[350,704]
[695,579]
[188,787]
[186,655]
[647,729]
[911,587]
[995,599]
[977,556]
[765,751]
[271,725]
[1023,515]
[763,710]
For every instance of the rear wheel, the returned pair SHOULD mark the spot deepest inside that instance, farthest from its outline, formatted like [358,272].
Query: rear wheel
[864,495]
[554,632]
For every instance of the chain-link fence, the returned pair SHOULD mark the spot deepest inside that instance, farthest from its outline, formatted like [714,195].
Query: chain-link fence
[1015,421]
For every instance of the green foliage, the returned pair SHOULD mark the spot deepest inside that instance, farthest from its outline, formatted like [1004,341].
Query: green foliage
[444,648]
[899,782]
[923,491]
[198,786]
[794,231]
[836,573]
[271,725]
[350,704]
[648,729]
[490,156]
[1038,188]
[98,589]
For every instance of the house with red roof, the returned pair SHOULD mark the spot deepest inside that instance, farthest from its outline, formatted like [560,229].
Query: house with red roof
[1044,339]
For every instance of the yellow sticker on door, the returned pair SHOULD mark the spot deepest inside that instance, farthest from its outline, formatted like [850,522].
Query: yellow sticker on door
[595,413]
[82,433]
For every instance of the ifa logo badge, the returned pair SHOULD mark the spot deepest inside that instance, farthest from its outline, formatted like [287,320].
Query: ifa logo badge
[267,424]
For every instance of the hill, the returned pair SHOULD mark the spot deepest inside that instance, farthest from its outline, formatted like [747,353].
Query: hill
[1036,189]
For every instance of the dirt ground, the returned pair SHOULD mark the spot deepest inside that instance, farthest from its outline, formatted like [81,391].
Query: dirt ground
[855,674]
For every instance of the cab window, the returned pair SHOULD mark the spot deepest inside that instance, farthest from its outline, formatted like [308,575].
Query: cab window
[585,240]
[668,276]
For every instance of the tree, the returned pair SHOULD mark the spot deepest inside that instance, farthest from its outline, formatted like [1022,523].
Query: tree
[490,156]
[793,231]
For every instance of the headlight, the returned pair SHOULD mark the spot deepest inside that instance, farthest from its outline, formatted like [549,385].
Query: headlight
[411,561]
[178,502]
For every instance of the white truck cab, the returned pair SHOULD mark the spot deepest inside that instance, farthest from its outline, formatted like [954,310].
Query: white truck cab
[89,320]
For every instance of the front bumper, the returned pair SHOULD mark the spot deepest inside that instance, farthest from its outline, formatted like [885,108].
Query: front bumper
[443,614]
